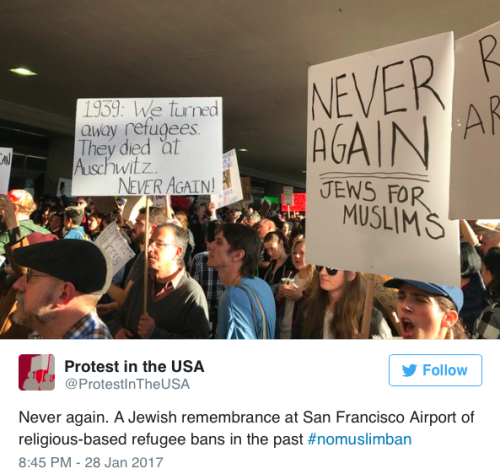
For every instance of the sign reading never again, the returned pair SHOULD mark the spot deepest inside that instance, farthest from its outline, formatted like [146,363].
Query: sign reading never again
[474,188]
[378,162]
[155,146]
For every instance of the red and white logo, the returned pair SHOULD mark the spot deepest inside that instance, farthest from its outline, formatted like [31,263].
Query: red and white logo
[36,372]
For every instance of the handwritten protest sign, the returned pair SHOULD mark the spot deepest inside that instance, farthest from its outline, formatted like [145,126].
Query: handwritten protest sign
[112,242]
[288,195]
[231,183]
[476,126]
[5,167]
[378,162]
[247,188]
[299,203]
[148,146]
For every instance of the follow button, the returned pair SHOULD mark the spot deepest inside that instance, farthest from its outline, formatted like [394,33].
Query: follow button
[435,370]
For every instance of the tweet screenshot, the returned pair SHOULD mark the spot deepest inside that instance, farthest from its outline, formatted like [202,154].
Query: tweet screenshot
[170,302]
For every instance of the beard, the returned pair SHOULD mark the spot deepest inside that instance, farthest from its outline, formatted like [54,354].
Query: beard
[139,238]
[32,319]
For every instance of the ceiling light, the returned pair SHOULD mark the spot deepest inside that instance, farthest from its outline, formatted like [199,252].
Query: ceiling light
[242,149]
[23,72]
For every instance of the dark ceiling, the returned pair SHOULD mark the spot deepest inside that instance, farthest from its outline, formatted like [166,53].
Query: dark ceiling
[253,53]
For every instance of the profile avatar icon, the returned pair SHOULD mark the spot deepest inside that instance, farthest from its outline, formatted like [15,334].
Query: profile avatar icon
[36,372]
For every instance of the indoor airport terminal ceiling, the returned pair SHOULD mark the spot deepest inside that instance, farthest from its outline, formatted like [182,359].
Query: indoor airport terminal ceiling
[255,54]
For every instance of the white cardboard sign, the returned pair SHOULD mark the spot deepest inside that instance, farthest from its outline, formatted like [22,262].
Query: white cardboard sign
[288,195]
[5,167]
[475,192]
[111,241]
[231,182]
[378,162]
[153,146]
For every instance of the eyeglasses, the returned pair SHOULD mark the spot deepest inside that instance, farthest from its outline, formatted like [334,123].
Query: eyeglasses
[329,270]
[30,275]
[160,245]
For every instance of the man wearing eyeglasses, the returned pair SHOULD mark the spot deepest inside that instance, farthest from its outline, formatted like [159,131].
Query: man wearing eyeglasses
[176,305]
[58,295]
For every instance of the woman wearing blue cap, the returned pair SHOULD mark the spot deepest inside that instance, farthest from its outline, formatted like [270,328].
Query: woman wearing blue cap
[428,310]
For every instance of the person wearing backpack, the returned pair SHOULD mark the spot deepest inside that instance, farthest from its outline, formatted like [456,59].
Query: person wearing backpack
[73,218]
[246,308]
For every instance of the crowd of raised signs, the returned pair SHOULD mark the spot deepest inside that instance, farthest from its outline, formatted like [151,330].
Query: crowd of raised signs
[222,273]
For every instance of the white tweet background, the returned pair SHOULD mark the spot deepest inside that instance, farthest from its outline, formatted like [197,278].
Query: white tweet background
[280,377]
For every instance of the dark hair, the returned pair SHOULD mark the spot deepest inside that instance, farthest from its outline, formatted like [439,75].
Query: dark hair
[278,236]
[212,230]
[99,217]
[114,217]
[75,214]
[470,261]
[277,222]
[241,237]
[492,264]
[157,215]
[181,238]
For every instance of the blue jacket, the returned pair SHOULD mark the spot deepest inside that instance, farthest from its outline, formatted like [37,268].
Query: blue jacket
[76,233]
[235,311]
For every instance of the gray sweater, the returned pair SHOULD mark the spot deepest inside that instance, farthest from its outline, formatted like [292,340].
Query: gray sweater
[182,314]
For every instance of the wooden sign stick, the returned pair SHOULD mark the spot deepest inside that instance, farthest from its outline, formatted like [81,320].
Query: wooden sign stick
[367,315]
[168,208]
[146,245]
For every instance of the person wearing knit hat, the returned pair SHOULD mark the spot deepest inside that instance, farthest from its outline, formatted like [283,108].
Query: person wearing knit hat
[15,210]
[58,295]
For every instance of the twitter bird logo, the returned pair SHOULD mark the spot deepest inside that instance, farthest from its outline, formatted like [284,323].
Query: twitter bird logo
[409,371]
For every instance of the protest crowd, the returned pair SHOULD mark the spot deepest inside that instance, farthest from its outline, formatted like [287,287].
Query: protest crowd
[217,273]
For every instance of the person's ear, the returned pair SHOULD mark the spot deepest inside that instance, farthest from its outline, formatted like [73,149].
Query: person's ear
[67,292]
[178,252]
[351,276]
[449,319]
[238,255]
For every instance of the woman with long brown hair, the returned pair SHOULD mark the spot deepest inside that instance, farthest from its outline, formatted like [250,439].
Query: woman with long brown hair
[335,308]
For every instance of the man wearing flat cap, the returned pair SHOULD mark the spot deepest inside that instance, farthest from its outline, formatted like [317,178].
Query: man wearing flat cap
[58,295]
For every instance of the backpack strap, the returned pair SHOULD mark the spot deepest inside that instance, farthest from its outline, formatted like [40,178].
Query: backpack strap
[250,291]
[83,234]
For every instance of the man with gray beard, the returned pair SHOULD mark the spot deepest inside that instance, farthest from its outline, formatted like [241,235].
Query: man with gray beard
[58,295]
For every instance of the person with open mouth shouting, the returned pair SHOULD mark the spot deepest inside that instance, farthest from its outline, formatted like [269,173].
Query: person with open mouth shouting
[428,310]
